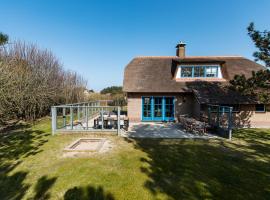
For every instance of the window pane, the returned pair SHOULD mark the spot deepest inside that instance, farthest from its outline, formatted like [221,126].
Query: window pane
[211,71]
[186,71]
[147,107]
[169,112]
[147,100]
[147,111]
[169,100]
[198,71]
[260,108]
[158,100]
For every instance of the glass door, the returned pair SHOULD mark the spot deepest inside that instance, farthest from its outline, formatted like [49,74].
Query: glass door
[147,108]
[157,108]
[158,111]
[169,108]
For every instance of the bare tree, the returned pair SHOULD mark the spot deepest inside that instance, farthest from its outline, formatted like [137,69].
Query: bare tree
[32,80]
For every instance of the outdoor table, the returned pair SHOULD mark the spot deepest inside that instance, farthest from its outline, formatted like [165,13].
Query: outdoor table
[110,122]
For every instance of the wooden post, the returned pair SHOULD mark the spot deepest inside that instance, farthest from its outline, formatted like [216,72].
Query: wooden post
[209,115]
[87,118]
[64,117]
[54,120]
[118,120]
[102,120]
[230,123]
[218,117]
[71,117]
[78,112]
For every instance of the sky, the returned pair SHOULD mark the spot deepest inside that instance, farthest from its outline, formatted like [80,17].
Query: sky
[99,38]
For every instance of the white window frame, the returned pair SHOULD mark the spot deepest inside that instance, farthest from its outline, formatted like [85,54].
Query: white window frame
[219,73]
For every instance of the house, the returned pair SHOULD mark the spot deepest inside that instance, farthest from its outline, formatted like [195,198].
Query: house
[160,88]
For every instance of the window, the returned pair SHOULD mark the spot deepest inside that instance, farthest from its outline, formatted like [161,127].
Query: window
[211,71]
[226,108]
[200,71]
[158,108]
[186,71]
[169,107]
[260,108]
[147,107]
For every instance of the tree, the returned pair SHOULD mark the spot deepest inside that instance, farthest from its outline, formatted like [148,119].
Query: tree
[32,80]
[258,85]
[3,39]
[112,90]
[262,42]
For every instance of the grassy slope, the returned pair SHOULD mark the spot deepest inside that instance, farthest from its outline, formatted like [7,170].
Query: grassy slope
[32,167]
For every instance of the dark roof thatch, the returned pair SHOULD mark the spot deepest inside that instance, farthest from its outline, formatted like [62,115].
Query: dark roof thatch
[156,74]
[218,93]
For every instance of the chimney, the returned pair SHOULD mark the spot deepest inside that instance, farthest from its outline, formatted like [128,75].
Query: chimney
[180,49]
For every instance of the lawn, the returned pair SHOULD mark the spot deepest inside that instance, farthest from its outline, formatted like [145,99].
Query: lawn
[32,167]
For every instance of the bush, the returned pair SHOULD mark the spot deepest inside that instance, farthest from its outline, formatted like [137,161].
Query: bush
[32,80]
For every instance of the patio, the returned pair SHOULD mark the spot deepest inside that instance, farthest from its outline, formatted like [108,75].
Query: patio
[161,130]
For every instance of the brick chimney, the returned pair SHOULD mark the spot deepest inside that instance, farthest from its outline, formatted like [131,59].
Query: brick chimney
[180,49]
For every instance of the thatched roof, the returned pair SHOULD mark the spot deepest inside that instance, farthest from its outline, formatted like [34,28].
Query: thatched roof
[156,74]
[218,93]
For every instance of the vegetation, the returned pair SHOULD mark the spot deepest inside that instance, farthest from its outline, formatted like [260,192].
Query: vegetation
[32,80]
[262,42]
[114,94]
[32,167]
[112,90]
[258,85]
[3,39]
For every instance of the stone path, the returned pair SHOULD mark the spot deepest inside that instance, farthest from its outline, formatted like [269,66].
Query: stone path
[161,130]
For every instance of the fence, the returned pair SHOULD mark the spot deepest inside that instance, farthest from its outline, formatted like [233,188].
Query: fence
[220,119]
[87,117]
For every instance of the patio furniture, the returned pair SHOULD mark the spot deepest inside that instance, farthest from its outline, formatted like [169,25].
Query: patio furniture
[192,125]
[111,122]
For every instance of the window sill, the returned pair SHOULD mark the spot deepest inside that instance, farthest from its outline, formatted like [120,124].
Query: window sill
[185,79]
[260,111]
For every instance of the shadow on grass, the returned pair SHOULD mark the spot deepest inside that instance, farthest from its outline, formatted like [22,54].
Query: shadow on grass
[21,142]
[12,186]
[258,140]
[87,193]
[42,187]
[196,169]
[16,143]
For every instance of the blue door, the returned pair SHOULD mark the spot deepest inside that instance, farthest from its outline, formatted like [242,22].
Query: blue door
[157,108]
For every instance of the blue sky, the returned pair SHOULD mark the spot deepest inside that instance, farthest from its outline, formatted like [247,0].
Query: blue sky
[99,38]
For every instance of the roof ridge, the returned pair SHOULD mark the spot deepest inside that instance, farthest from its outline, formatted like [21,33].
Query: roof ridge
[156,57]
[232,56]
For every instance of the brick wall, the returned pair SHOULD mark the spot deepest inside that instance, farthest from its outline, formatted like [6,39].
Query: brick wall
[247,117]
[184,104]
[134,107]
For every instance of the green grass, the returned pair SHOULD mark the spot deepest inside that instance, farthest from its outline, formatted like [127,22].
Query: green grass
[32,167]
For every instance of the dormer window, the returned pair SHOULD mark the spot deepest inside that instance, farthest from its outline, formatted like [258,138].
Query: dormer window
[211,71]
[186,71]
[200,71]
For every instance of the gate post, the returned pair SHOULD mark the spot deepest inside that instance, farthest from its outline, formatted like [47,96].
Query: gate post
[71,117]
[53,111]
[102,119]
[64,117]
[87,118]
[230,123]
[209,115]
[118,120]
